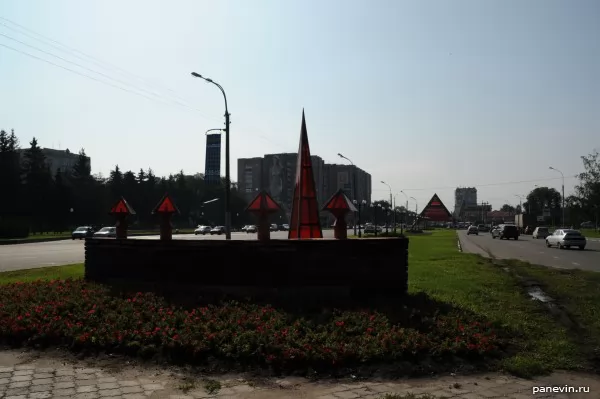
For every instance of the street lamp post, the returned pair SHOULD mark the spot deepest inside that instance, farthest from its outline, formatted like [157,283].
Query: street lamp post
[359,205]
[227,170]
[390,187]
[405,208]
[353,186]
[416,208]
[563,194]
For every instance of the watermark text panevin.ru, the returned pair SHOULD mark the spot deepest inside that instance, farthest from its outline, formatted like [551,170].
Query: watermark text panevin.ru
[561,389]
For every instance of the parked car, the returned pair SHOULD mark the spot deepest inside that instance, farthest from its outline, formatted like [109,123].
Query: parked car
[587,225]
[217,230]
[82,232]
[202,230]
[284,227]
[274,227]
[251,228]
[371,229]
[506,231]
[540,232]
[106,232]
[566,238]
[473,230]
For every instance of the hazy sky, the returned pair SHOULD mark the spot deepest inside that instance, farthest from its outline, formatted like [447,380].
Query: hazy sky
[426,95]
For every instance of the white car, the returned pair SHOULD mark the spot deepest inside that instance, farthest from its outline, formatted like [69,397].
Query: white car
[540,232]
[251,229]
[106,232]
[202,230]
[566,238]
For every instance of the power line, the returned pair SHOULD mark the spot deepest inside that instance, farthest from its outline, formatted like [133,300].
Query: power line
[485,185]
[64,48]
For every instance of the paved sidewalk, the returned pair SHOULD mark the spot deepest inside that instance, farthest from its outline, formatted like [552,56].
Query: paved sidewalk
[35,376]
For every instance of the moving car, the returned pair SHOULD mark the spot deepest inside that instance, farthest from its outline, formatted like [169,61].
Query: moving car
[371,229]
[284,227]
[251,228]
[566,238]
[202,230]
[506,231]
[540,232]
[217,230]
[106,232]
[473,230]
[82,232]
[274,227]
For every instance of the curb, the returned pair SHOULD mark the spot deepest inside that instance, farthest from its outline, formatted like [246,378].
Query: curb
[50,239]
[458,243]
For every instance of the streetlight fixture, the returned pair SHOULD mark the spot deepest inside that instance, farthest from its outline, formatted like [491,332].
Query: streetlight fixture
[227,171]
[353,185]
[416,208]
[563,194]
[391,205]
[405,208]
[359,205]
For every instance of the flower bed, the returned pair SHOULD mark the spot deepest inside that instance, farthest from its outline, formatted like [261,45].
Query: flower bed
[84,316]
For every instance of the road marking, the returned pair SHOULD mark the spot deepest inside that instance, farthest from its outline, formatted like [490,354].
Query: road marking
[575,263]
[555,257]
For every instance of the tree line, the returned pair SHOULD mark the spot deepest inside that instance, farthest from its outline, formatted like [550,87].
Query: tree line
[33,200]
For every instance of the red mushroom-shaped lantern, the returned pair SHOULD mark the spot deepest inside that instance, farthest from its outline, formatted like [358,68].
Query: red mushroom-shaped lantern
[120,211]
[339,205]
[263,205]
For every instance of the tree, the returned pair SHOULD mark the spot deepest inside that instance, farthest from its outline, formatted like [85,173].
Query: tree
[115,183]
[82,170]
[38,182]
[588,189]
[13,222]
[542,198]
[508,208]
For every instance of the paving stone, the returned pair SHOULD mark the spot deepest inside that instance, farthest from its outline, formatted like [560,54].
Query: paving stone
[103,380]
[145,381]
[109,392]
[134,396]
[64,385]
[226,391]
[243,388]
[45,370]
[181,397]
[64,372]
[5,375]
[16,397]
[64,392]
[40,376]
[19,378]
[346,395]
[473,396]
[327,396]
[25,367]
[83,377]
[40,395]
[87,395]
[128,383]
[108,385]
[20,384]
[64,378]
[40,388]
[16,391]
[152,387]
[443,393]
[6,369]
[23,372]
[135,389]
[42,381]
[85,389]
[83,383]
[86,371]
[4,381]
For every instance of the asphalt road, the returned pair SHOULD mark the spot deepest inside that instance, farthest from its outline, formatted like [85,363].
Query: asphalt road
[56,253]
[534,251]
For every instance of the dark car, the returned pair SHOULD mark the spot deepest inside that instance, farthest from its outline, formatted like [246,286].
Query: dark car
[508,231]
[82,232]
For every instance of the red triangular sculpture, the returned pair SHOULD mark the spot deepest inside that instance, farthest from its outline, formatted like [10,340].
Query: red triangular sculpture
[122,207]
[304,221]
[263,203]
[165,205]
[338,202]
[436,211]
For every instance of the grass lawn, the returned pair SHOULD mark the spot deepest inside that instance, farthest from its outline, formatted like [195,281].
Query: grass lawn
[44,273]
[591,233]
[474,284]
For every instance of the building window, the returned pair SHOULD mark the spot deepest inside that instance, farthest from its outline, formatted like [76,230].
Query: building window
[248,179]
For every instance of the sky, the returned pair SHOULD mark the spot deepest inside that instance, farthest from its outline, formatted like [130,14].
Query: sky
[424,95]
